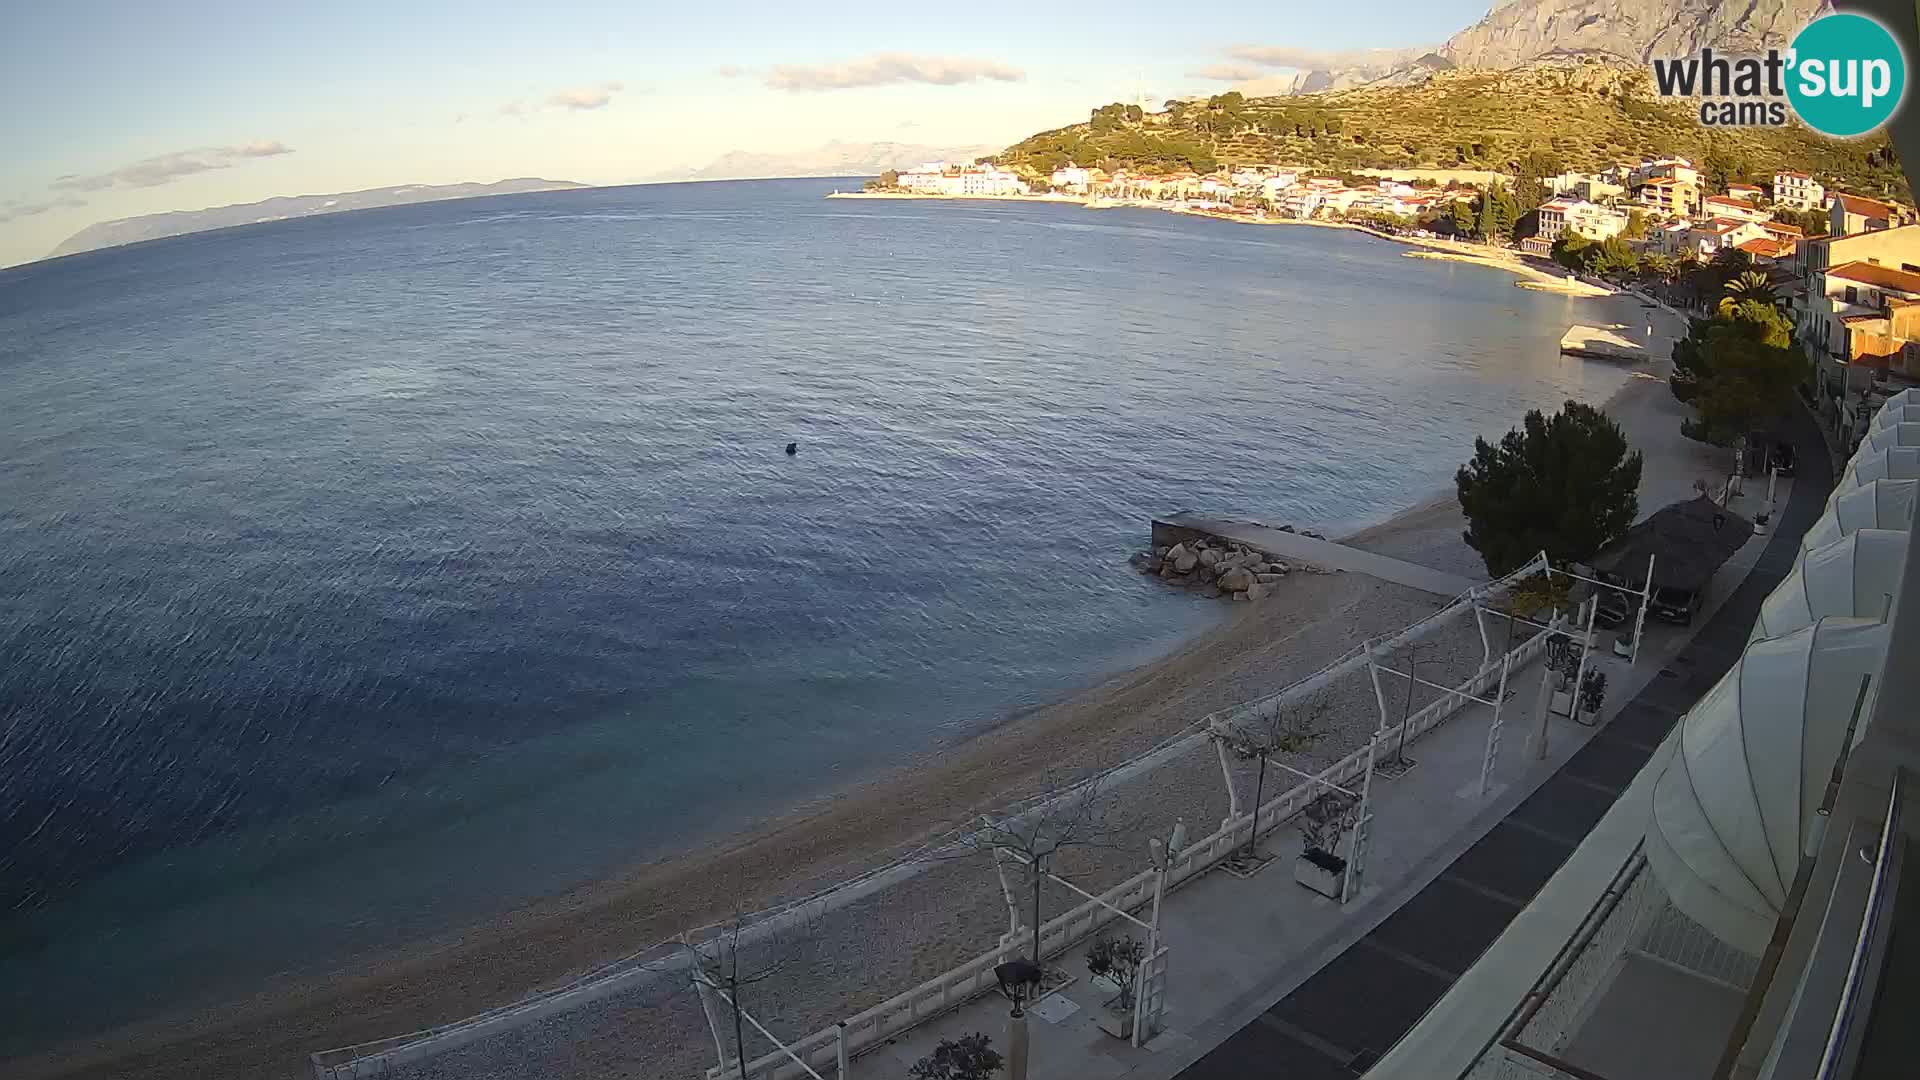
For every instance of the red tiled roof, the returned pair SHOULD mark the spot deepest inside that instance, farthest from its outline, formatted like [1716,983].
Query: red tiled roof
[1767,249]
[1782,228]
[1727,200]
[1795,175]
[1884,277]
[1872,208]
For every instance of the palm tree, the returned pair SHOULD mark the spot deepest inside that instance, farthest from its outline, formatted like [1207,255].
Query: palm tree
[1750,285]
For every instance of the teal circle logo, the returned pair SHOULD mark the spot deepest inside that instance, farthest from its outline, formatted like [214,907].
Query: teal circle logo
[1846,75]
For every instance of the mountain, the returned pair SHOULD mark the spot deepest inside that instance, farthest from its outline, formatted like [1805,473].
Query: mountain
[1519,32]
[1582,113]
[179,222]
[833,159]
[1634,31]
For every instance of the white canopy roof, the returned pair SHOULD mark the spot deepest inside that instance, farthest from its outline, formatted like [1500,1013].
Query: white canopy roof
[1896,414]
[1855,576]
[1882,504]
[1868,465]
[1743,774]
[1887,436]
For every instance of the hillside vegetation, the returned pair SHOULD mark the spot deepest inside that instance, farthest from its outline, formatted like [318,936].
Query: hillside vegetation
[1586,116]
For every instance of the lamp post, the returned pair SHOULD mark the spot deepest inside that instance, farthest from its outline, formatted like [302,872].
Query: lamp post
[1018,979]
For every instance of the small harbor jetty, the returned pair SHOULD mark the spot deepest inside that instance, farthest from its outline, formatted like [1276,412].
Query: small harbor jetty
[1196,533]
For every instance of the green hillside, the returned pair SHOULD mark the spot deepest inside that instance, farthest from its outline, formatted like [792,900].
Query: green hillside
[1586,116]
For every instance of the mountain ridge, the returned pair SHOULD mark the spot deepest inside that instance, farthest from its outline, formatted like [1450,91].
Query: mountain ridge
[833,158]
[133,230]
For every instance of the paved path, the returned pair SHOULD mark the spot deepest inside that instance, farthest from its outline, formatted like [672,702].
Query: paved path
[1350,1012]
[1290,545]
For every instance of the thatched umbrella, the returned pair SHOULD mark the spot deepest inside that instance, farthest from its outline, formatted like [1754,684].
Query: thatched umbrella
[1688,541]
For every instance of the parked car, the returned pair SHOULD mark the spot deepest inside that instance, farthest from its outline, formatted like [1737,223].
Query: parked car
[1674,605]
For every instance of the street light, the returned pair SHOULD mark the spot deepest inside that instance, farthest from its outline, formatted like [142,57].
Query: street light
[1020,982]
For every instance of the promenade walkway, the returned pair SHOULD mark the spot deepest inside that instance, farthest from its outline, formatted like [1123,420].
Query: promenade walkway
[1268,979]
[1334,556]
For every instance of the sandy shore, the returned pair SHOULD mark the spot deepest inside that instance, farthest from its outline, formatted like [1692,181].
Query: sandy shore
[1533,275]
[881,945]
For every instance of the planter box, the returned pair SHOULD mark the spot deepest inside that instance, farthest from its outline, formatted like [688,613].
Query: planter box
[1115,1022]
[1623,646]
[1322,872]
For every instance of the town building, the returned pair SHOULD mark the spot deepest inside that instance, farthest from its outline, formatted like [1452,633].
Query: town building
[1749,193]
[1766,252]
[1787,234]
[1558,216]
[1851,214]
[939,178]
[1669,197]
[1679,170]
[1729,207]
[1864,314]
[1071,178]
[1702,240]
[1590,187]
[1798,191]
[1300,202]
[1897,247]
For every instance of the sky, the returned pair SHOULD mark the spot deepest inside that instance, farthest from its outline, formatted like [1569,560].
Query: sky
[123,107]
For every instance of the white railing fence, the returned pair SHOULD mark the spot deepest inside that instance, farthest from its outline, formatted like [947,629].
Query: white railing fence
[378,1058]
[962,984]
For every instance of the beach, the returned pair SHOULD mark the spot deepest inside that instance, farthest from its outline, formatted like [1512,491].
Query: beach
[1532,275]
[903,934]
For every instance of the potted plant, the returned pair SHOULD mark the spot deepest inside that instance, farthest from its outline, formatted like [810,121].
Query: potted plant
[1115,962]
[969,1057]
[1323,824]
[1593,692]
[1563,662]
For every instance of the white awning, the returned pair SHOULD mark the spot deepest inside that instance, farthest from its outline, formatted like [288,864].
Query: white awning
[1882,504]
[1856,576]
[1888,436]
[1868,465]
[1896,414]
[1743,774]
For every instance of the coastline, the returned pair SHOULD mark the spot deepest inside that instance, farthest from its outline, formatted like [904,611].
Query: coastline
[1534,277]
[821,841]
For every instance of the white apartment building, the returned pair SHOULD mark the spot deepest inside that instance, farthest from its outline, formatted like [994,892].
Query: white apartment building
[1559,216]
[1798,191]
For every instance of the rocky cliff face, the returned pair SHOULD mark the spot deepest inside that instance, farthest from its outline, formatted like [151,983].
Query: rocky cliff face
[1522,31]
[1516,33]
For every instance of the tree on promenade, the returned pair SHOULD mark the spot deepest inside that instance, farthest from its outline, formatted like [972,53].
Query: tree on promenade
[1564,484]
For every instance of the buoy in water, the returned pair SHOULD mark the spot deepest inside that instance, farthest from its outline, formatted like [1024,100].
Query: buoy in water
[793,448]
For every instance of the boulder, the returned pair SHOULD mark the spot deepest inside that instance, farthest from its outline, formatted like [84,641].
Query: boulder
[1209,557]
[1256,591]
[1166,571]
[1210,593]
[1269,579]
[1160,550]
[1278,568]
[1183,560]
[1287,528]
[1238,579]
[1242,596]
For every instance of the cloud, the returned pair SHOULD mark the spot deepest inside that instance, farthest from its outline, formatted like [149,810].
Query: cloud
[584,97]
[732,71]
[1229,72]
[166,168]
[1288,56]
[17,208]
[881,69]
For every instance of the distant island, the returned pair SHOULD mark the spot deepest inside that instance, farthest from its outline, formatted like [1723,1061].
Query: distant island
[180,222]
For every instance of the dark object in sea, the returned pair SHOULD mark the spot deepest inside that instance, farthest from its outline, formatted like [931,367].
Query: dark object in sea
[793,448]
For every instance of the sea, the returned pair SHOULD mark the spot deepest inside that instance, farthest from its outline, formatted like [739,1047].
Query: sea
[366,575]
